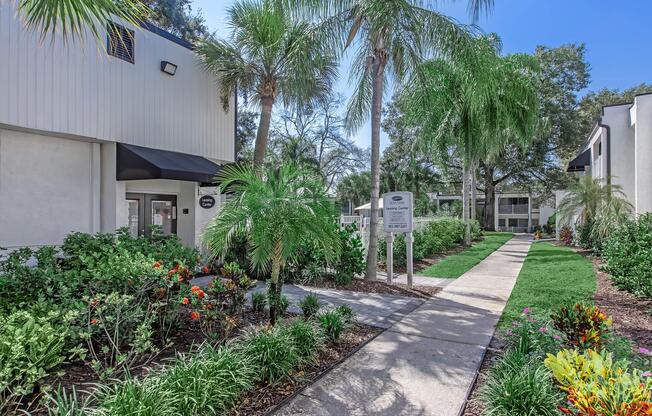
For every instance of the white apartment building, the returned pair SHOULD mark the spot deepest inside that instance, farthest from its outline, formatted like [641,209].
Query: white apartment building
[620,148]
[513,211]
[93,138]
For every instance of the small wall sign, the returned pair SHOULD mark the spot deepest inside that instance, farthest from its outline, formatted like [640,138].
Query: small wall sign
[207,202]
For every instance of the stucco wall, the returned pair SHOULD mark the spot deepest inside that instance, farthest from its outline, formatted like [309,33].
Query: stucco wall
[622,149]
[643,143]
[49,187]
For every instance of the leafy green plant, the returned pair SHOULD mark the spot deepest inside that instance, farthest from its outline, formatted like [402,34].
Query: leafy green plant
[566,235]
[346,313]
[283,305]
[277,209]
[310,305]
[258,301]
[584,326]
[351,261]
[332,324]
[532,336]
[628,255]
[31,347]
[595,385]
[272,353]
[67,403]
[118,330]
[306,337]
[518,385]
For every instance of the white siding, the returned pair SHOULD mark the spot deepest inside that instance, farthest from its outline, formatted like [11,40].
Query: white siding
[78,89]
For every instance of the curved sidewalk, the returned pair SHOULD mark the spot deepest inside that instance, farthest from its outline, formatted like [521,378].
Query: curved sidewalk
[425,363]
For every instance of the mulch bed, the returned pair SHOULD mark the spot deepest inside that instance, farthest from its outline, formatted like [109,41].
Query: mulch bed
[425,262]
[259,401]
[264,399]
[631,315]
[381,287]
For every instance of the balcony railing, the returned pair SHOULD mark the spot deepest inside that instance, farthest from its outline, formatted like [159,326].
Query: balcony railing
[513,209]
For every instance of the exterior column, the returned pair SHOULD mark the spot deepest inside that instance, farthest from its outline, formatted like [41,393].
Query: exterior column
[529,213]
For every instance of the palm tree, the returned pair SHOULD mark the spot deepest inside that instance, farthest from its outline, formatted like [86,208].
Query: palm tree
[72,17]
[476,106]
[275,209]
[270,57]
[589,198]
[391,38]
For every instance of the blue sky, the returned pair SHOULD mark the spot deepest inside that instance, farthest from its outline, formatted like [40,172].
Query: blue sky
[617,34]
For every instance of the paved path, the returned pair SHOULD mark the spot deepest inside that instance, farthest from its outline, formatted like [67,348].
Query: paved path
[424,364]
[373,309]
[417,279]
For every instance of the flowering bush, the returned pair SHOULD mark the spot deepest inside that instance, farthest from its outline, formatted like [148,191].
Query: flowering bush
[584,326]
[532,336]
[596,386]
[566,235]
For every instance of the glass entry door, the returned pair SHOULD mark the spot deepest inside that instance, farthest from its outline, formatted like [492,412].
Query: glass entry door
[152,210]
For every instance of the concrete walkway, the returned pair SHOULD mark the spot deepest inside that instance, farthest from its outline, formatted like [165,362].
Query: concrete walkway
[373,309]
[424,364]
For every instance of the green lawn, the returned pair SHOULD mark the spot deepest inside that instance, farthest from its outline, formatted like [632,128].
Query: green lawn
[456,265]
[551,276]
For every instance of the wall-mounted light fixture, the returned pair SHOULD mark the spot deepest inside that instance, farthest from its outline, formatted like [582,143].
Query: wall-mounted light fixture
[168,67]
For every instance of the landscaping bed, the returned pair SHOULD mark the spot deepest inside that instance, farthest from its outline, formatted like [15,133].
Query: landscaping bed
[550,311]
[380,287]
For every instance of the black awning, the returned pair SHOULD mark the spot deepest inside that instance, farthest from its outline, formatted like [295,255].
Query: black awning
[580,162]
[137,162]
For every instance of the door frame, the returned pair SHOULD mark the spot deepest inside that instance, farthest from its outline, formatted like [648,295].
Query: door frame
[145,210]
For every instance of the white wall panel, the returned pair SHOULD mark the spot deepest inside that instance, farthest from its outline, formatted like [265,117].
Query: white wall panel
[76,88]
[49,187]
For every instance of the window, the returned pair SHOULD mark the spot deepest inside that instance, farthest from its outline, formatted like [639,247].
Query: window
[513,222]
[120,42]
[522,222]
[600,149]
[501,222]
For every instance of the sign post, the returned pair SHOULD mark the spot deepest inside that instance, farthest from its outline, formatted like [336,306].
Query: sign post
[397,218]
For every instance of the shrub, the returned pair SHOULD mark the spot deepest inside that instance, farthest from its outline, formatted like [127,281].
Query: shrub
[310,306]
[346,313]
[566,235]
[31,346]
[272,353]
[351,261]
[283,304]
[595,385]
[519,385]
[306,337]
[628,255]
[532,336]
[584,326]
[332,324]
[258,301]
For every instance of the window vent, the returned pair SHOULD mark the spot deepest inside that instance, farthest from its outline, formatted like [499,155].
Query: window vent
[120,42]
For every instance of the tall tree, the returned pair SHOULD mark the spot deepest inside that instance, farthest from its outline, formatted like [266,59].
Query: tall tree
[270,57]
[476,106]
[72,17]
[391,38]
[177,17]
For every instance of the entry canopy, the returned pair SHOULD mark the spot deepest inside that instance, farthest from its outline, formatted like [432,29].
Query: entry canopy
[137,162]
[580,162]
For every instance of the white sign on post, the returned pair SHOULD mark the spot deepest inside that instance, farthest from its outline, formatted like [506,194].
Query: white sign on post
[397,212]
[397,218]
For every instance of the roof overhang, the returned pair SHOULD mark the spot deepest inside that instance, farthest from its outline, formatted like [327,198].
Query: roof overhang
[137,162]
[580,162]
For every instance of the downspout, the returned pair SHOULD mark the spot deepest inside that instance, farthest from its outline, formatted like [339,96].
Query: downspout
[608,128]
[235,130]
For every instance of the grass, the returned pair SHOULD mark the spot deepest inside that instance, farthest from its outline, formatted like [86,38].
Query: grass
[457,264]
[551,276]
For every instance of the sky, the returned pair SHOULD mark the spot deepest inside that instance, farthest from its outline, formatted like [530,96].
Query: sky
[617,34]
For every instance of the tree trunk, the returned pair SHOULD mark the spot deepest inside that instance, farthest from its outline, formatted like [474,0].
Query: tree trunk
[474,193]
[465,204]
[274,289]
[376,110]
[488,219]
[266,104]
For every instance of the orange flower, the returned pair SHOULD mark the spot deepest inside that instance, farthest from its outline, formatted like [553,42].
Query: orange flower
[93,321]
[200,294]
[185,301]
[205,269]
[94,302]
[157,265]
[195,289]
[194,315]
